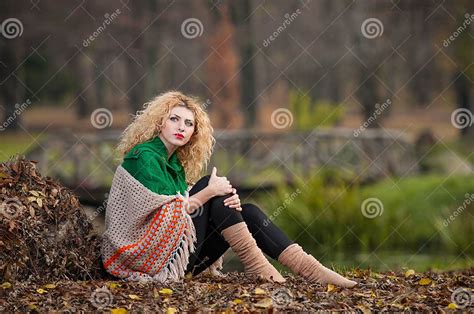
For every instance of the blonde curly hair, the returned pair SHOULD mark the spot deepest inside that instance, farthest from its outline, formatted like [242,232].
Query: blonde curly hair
[147,123]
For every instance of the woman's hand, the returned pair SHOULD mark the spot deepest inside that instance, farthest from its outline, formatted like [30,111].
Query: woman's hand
[233,201]
[219,185]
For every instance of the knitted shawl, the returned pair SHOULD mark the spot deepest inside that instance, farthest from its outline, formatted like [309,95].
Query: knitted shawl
[148,236]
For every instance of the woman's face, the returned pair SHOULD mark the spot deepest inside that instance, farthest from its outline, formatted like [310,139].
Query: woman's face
[178,128]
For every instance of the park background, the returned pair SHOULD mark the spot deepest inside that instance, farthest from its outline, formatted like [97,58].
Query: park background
[348,122]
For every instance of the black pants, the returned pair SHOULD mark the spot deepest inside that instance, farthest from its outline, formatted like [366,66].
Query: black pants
[214,216]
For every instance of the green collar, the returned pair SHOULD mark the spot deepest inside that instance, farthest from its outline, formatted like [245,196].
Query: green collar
[158,146]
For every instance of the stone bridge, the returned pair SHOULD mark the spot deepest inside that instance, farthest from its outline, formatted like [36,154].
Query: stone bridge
[251,160]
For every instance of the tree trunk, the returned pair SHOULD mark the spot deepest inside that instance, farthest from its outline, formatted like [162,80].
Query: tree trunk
[11,91]
[240,12]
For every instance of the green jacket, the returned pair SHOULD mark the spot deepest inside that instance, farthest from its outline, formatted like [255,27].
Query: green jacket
[148,163]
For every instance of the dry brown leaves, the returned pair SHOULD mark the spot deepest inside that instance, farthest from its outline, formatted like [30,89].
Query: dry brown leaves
[237,292]
[43,230]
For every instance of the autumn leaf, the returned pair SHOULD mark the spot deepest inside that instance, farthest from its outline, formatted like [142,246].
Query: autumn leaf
[364,309]
[32,306]
[409,273]
[376,275]
[330,288]
[32,211]
[166,291]
[6,285]
[259,291]
[38,200]
[134,297]
[452,306]
[237,301]
[50,286]
[113,285]
[170,310]
[358,273]
[156,295]
[11,225]
[264,303]
[424,281]
[118,310]
[41,291]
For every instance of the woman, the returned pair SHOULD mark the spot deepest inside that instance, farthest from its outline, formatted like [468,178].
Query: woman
[160,227]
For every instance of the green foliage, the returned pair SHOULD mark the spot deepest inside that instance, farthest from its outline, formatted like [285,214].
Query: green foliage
[462,148]
[327,214]
[308,115]
[16,143]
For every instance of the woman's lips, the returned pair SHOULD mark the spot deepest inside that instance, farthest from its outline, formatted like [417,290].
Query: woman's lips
[179,136]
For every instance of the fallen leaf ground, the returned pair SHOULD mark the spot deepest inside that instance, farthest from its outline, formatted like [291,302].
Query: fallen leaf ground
[392,291]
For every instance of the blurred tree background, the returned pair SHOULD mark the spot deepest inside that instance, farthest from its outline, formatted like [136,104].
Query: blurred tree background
[321,53]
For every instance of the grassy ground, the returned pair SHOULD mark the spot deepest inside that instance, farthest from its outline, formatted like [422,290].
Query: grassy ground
[17,143]
[410,225]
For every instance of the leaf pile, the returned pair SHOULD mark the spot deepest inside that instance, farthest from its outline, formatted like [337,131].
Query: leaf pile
[237,292]
[44,232]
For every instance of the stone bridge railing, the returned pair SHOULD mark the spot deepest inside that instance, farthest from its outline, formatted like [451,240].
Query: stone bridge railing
[251,160]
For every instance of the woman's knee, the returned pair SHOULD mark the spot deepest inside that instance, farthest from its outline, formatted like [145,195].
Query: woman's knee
[220,212]
[200,184]
[253,213]
[218,201]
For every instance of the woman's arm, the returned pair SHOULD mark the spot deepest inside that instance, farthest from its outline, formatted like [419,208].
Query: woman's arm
[200,198]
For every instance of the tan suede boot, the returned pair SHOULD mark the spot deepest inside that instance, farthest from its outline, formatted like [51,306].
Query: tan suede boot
[308,267]
[244,245]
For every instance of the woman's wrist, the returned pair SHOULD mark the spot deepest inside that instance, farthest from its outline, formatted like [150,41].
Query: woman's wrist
[209,192]
[190,210]
[198,199]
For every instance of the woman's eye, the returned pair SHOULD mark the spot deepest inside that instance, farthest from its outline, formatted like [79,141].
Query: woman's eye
[173,118]
[189,123]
